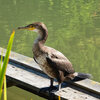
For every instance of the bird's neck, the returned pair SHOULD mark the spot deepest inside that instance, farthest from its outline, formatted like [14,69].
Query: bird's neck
[42,37]
[39,42]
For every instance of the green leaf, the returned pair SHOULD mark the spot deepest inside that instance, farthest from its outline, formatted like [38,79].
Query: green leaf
[5,89]
[1,62]
[6,59]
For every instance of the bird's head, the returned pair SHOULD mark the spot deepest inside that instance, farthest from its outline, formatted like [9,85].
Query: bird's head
[38,26]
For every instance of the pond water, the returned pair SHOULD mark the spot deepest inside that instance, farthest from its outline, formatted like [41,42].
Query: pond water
[73,26]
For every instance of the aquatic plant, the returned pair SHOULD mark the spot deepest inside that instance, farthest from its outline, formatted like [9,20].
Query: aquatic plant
[4,66]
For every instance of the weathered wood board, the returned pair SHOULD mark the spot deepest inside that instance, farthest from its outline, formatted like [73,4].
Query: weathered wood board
[26,74]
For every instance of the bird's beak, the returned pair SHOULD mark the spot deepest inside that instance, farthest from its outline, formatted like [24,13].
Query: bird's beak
[28,28]
[22,27]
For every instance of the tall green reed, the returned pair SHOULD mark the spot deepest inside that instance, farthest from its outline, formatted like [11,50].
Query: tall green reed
[4,66]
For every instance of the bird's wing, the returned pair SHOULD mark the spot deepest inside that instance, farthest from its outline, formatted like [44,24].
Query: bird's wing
[57,60]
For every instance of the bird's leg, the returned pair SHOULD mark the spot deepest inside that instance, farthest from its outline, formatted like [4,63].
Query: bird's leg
[52,88]
[59,86]
[51,82]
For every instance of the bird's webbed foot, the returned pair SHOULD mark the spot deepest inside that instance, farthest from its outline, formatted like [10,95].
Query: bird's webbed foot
[50,89]
[53,88]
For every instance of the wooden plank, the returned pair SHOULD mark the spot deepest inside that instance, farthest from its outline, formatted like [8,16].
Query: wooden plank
[89,85]
[33,81]
[10,83]
[28,75]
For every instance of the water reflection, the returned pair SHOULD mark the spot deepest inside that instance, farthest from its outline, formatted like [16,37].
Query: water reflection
[73,29]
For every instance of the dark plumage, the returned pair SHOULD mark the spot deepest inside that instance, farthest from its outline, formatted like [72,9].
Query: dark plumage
[51,61]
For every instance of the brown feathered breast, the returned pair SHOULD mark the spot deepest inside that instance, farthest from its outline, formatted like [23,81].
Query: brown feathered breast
[54,63]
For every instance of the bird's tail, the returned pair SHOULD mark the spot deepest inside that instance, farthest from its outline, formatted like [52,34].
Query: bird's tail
[81,76]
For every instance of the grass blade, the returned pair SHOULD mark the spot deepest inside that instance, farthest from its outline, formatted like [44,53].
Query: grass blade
[6,59]
[5,89]
[1,62]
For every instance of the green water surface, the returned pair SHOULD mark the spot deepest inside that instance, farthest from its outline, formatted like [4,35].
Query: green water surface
[73,28]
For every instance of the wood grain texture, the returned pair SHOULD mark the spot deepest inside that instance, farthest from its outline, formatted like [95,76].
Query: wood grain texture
[24,72]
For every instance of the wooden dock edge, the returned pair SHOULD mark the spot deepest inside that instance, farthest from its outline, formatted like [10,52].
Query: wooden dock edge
[87,84]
